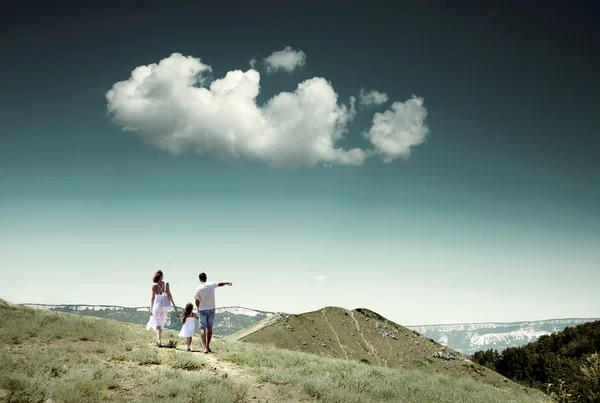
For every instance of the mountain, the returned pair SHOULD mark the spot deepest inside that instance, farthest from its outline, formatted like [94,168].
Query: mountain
[228,320]
[470,337]
[364,336]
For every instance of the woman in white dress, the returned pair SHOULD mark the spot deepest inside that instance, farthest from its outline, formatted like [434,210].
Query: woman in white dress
[160,305]
[188,327]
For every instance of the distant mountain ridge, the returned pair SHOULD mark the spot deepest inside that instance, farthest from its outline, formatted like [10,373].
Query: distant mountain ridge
[229,320]
[467,338]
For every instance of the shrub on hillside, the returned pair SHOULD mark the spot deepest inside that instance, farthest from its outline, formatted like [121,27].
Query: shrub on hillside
[564,364]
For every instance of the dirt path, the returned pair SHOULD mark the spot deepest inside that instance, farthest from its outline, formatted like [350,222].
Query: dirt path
[335,333]
[366,341]
[255,327]
[257,391]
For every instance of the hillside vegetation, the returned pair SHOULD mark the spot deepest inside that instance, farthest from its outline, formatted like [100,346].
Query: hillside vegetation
[565,364]
[69,358]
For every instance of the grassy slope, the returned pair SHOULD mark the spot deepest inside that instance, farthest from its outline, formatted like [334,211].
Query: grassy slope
[365,336]
[77,359]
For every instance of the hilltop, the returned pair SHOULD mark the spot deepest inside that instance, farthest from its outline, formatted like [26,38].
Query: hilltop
[364,336]
[70,358]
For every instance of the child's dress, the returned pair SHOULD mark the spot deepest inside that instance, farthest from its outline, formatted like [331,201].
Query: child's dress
[188,328]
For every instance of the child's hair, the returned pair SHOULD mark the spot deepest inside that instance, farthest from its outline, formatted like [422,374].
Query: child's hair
[187,312]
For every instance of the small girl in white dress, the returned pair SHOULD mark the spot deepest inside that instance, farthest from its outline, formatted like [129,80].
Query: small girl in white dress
[188,324]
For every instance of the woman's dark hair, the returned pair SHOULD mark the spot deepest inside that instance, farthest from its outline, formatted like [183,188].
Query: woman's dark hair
[187,312]
[157,276]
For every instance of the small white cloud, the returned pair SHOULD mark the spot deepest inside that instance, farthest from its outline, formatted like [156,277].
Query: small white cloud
[253,63]
[320,278]
[172,106]
[398,129]
[371,98]
[287,59]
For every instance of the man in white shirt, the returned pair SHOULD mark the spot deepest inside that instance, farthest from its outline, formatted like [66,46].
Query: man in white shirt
[205,302]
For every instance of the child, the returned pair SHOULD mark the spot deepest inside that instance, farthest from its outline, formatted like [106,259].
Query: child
[189,324]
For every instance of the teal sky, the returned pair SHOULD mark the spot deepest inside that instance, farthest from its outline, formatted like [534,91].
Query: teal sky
[493,218]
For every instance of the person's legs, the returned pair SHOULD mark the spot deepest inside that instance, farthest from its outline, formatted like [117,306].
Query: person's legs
[160,318]
[203,338]
[203,333]
[208,337]
[189,343]
[210,318]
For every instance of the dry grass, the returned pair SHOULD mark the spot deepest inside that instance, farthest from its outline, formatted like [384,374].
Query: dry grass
[70,358]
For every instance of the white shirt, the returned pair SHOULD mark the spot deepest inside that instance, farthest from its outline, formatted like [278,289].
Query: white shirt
[206,294]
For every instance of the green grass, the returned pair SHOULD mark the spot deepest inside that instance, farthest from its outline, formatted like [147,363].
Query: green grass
[70,358]
[187,362]
[333,380]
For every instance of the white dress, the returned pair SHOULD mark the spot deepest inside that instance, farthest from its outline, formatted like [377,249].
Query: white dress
[188,328]
[159,314]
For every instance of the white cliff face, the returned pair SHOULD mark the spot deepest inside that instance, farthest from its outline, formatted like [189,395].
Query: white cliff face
[526,335]
[470,337]
[463,327]
[237,310]
[443,340]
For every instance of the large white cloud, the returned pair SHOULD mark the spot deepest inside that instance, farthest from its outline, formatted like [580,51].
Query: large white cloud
[287,59]
[171,105]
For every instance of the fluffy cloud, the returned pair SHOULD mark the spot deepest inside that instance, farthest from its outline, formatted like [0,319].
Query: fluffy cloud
[287,59]
[398,129]
[320,278]
[173,105]
[372,98]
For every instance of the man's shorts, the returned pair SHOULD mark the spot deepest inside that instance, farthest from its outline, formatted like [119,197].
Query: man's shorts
[207,317]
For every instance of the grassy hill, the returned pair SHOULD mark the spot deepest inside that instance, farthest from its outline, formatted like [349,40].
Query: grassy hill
[365,336]
[70,358]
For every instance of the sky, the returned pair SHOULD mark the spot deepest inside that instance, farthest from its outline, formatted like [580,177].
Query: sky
[434,162]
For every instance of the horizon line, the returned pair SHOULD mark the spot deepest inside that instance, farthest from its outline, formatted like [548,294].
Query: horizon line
[407,326]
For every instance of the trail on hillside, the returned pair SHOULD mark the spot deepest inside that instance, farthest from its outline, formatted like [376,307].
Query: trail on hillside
[391,349]
[335,333]
[258,391]
[255,327]
[365,340]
